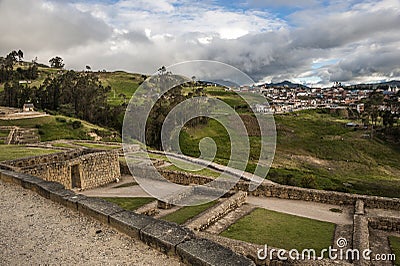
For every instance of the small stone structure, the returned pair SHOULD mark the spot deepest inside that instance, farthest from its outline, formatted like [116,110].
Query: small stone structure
[81,169]
[28,107]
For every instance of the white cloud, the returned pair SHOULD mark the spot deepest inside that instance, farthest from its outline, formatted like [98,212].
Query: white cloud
[341,40]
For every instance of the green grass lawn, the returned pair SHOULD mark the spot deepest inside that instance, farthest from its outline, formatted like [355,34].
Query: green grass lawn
[12,152]
[55,127]
[395,246]
[130,204]
[64,145]
[282,231]
[98,146]
[185,213]
[203,172]
[4,133]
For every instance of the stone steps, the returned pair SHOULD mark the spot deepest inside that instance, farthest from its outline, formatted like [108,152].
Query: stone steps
[23,136]
[229,219]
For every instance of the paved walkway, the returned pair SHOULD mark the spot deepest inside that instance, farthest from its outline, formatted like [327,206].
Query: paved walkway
[34,231]
[308,209]
[114,190]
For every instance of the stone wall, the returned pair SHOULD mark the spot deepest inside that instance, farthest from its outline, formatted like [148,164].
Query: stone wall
[56,171]
[89,168]
[385,223]
[268,189]
[98,169]
[213,214]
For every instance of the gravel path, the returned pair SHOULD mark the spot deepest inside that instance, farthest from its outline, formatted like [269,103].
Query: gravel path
[34,230]
[308,209]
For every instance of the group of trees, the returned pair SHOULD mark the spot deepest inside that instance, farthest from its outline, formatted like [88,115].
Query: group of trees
[76,94]
[7,72]
[161,104]
[375,113]
[384,121]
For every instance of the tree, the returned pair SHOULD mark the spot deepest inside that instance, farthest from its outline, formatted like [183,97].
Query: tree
[20,55]
[56,62]
[11,58]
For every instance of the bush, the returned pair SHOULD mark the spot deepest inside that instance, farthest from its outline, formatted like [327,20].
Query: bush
[308,181]
[76,124]
[61,119]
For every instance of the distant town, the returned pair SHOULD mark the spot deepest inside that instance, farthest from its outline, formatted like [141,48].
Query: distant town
[289,97]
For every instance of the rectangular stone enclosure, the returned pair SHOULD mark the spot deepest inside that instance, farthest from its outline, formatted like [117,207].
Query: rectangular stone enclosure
[80,169]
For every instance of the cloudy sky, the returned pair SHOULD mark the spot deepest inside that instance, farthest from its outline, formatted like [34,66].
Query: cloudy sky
[306,41]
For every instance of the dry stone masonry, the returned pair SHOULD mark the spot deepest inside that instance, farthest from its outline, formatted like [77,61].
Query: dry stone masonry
[80,169]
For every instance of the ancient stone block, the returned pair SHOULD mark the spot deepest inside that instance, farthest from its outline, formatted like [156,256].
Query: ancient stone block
[11,177]
[98,208]
[45,188]
[130,223]
[71,201]
[61,196]
[165,236]
[206,252]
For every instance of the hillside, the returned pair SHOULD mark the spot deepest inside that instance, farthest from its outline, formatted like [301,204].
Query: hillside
[62,127]
[315,149]
[123,84]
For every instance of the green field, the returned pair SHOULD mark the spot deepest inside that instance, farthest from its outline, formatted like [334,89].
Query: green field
[97,146]
[12,152]
[55,127]
[185,213]
[130,204]
[395,246]
[282,231]
[315,150]
[121,83]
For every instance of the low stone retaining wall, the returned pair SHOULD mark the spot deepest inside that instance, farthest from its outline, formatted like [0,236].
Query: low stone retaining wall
[385,223]
[167,237]
[213,214]
[268,189]
[360,237]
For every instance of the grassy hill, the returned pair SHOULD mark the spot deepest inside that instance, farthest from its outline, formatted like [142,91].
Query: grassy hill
[120,82]
[61,127]
[314,149]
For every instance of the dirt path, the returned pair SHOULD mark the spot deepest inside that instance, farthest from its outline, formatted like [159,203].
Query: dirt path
[34,230]
[115,190]
[308,209]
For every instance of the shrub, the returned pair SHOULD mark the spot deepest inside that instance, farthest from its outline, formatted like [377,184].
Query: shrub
[61,119]
[76,124]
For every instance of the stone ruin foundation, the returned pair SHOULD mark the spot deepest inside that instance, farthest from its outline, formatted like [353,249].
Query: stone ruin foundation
[79,169]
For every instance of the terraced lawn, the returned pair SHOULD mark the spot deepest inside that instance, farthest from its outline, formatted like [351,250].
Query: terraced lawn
[282,230]
[12,152]
[184,214]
